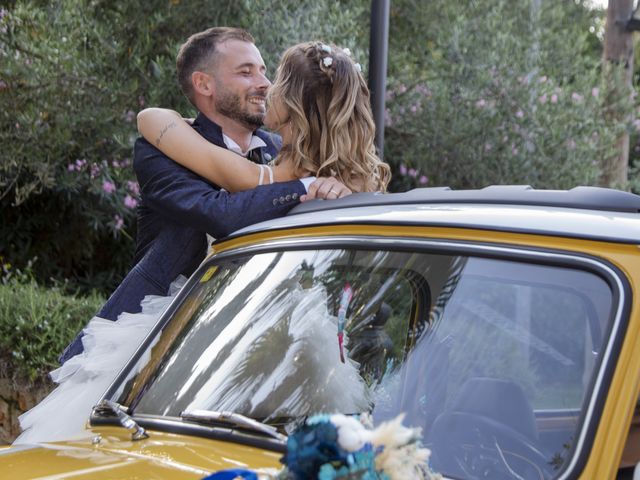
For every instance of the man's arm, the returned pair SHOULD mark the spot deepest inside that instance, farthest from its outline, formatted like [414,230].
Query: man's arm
[187,199]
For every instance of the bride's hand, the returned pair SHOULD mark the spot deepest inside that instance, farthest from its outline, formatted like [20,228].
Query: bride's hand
[326,188]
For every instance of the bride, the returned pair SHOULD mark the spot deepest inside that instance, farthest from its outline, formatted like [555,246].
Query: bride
[319,105]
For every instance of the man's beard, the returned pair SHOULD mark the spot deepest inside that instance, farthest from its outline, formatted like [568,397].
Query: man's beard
[228,104]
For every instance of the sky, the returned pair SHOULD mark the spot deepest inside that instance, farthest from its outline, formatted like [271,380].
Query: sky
[600,3]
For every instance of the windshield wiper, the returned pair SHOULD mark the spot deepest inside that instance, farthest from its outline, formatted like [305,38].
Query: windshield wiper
[233,420]
[108,406]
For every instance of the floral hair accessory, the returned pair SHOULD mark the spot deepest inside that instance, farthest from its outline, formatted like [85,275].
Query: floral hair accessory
[347,52]
[327,61]
[325,48]
[358,67]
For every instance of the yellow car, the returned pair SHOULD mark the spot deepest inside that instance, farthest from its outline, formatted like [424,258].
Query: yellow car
[504,322]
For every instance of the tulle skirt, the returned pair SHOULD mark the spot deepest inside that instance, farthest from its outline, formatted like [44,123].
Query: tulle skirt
[83,379]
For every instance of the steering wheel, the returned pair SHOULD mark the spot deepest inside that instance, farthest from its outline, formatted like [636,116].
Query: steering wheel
[472,446]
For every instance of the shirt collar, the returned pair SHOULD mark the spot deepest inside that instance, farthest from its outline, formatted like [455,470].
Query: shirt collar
[213,132]
[256,142]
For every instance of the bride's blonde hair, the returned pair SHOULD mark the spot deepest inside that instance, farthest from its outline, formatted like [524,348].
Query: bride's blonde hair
[329,115]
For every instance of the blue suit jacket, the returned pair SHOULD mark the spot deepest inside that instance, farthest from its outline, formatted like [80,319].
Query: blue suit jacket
[176,210]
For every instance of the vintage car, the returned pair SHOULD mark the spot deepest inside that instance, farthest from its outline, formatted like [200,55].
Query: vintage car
[504,322]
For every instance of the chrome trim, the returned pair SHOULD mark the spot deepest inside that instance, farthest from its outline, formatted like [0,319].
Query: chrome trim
[523,251]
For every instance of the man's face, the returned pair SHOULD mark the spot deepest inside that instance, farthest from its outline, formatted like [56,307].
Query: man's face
[240,83]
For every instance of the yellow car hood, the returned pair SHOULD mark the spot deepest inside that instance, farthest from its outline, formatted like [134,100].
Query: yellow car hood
[115,456]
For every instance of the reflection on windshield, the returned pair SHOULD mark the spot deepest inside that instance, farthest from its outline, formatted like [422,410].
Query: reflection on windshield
[476,351]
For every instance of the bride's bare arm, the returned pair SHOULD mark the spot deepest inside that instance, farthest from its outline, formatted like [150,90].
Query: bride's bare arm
[175,138]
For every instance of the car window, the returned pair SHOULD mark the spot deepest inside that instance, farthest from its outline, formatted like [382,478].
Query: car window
[479,352]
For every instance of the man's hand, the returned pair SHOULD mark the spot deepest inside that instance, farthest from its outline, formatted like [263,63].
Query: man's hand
[326,188]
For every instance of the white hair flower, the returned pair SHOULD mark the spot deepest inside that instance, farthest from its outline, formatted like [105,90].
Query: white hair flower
[358,67]
[347,52]
[327,61]
[325,48]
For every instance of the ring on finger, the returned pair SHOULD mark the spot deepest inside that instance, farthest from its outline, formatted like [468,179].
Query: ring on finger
[333,191]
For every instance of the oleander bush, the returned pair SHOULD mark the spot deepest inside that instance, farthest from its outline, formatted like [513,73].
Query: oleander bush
[73,74]
[500,92]
[482,92]
[37,323]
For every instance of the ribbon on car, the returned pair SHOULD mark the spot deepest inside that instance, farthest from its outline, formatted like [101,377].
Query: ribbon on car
[345,299]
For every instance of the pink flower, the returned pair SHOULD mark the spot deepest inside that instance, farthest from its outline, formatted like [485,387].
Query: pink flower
[481,103]
[519,114]
[403,169]
[413,172]
[402,88]
[576,97]
[423,180]
[133,187]
[487,146]
[414,108]
[129,116]
[71,167]
[543,79]
[554,98]
[543,98]
[595,91]
[422,89]
[81,162]
[130,202]
[108,187]
[95,170]
[119,222]
[141,101]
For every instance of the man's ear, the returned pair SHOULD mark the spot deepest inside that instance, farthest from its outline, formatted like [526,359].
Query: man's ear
[203,83]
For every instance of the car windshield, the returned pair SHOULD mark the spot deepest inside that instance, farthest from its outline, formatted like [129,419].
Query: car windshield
[479,352]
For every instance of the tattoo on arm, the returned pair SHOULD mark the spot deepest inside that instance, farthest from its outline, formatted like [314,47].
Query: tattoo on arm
[169,125]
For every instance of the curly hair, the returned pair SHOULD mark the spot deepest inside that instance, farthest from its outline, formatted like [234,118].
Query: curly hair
[329,115]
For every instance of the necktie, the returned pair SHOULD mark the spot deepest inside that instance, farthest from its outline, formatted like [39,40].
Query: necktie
[255,156]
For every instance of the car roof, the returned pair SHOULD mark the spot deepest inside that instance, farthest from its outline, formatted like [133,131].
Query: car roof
[582,212]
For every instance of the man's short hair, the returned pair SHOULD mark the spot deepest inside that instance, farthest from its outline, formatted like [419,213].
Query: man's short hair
[198,53]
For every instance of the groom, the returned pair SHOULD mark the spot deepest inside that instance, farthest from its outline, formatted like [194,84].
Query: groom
[223,75]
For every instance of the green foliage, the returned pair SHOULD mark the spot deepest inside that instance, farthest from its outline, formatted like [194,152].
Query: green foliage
[498,92]
[73,75]
[480,92]
[37,323]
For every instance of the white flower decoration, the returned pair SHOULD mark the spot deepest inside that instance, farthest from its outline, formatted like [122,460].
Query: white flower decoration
[358,67]
[347,52]
[325,48]
[327,61]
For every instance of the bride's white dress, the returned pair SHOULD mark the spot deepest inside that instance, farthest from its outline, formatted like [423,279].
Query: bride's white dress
[310,378]
[83,379]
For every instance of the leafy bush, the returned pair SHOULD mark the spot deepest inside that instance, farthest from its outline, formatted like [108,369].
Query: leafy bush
[37,323]
[489,91]
[73,75]
[499,92]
